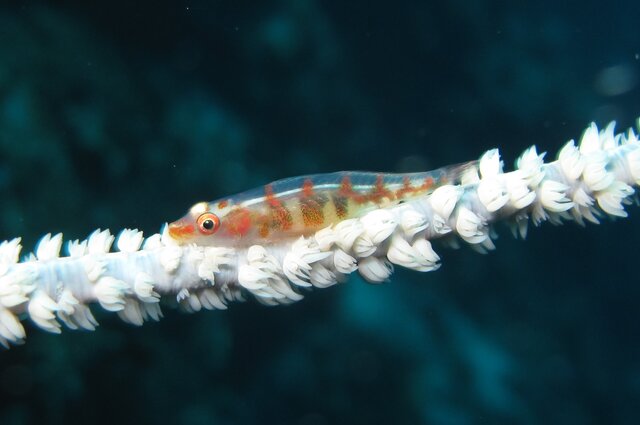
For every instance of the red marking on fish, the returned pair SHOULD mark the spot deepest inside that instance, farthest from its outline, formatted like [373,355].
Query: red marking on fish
[405,189]
[307,188]
[238,222]
[264,230]
[345,186]
[281,218]
[428,183]
[270,197]
[379,190]
[346,190]
[340,204]
[312,214]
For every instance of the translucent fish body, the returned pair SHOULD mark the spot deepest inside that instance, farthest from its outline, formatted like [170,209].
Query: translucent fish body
[299,206]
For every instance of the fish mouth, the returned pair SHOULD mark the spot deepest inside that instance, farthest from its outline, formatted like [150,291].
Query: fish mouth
[180,230]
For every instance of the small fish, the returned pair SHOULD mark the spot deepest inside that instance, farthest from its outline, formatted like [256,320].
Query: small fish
[299,206]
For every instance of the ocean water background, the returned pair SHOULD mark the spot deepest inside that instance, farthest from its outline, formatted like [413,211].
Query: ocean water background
[123,114]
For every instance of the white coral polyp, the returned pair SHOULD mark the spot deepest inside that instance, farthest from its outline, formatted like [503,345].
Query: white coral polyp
[586,183]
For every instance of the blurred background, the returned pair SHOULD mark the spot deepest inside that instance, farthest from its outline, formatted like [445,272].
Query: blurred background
[123,114]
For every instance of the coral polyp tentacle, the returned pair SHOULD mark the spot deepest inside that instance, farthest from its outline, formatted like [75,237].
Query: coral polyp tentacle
[277,241]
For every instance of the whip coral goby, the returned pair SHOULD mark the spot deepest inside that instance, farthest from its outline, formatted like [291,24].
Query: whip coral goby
[277,241]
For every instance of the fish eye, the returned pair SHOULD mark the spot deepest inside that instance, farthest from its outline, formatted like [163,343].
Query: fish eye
[208,223]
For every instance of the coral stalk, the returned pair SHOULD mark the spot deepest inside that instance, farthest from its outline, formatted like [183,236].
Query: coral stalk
[585,183]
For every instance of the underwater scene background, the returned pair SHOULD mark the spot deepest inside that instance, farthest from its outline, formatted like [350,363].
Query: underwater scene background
[123,114]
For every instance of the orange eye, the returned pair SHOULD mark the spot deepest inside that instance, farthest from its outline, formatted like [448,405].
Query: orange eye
[208,223]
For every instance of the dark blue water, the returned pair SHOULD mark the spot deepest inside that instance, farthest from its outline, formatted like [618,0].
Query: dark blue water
[123,115]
